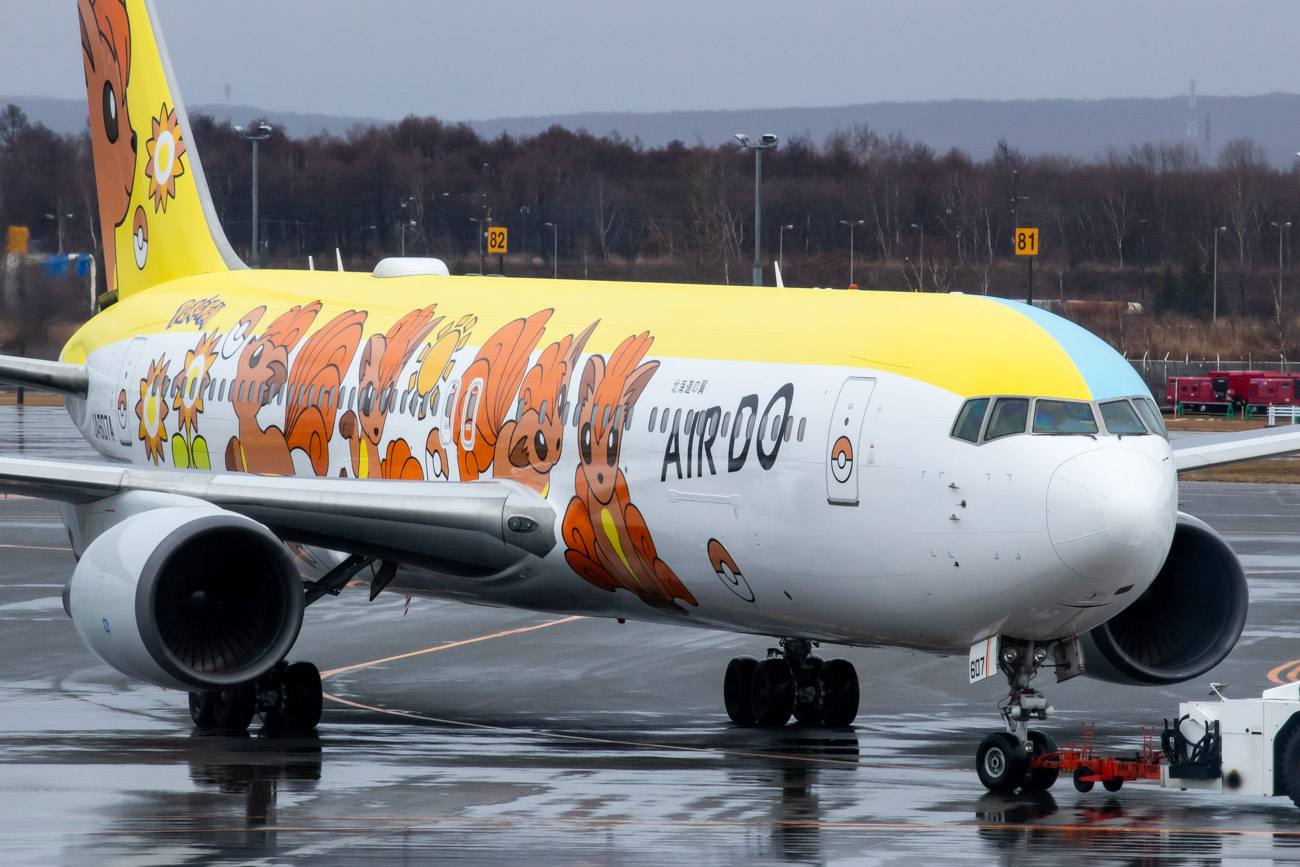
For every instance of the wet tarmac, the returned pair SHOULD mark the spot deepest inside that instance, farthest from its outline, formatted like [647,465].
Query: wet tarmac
[487,736]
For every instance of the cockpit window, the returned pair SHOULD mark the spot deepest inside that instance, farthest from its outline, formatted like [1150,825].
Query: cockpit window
[1147,409]
[1120,418]
[970,418]
[1009,417]
[1063,417]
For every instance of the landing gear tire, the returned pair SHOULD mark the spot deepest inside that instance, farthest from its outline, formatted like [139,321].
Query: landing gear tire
[737,685]
[1080,783]
[838,684]
[202,711]
[1113,785]
[298,705]
[232,708]
[807,705]
[1040,779]
[772,695]
[1001,762]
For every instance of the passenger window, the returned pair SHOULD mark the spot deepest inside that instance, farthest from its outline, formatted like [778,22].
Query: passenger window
[1009,417]
[726,424]
[654,413]
[1120,418]
[749,428]
[627,418]
[802,423]
[690,419]
[221,395]
[243,386]
[969,419]
[663,421]
[1147,409]
[1063,417]
[677,420]
[787,427]
[713,425]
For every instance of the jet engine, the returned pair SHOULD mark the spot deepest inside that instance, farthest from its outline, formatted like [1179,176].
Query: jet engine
[1184,624]
[187,597]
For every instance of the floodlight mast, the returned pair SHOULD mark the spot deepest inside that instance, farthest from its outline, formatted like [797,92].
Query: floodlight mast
[258,135]
[766,141]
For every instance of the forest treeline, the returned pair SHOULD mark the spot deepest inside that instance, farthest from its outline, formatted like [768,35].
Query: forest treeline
[1137,225]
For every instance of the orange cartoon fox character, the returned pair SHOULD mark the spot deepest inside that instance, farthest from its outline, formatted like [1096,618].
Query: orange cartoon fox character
[608,541]
[527,449]
[490,384]
[263,370]
[315,384]
[106,53]
[381,364]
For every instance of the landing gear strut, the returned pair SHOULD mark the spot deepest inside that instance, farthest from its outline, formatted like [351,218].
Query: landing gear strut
[790,681]
[1004,760]
[289,698]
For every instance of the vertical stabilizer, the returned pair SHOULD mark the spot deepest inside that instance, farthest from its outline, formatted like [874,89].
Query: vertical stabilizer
[155,212]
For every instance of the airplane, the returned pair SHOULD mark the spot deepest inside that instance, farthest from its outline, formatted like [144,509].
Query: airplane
[943,472]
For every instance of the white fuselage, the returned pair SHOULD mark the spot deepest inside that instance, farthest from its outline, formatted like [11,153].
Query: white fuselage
[921,539]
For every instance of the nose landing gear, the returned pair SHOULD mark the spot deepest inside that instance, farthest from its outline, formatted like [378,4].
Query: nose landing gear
[1005,761]
[790,682]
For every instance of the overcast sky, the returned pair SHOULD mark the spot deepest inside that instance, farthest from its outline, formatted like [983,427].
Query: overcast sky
[491,58]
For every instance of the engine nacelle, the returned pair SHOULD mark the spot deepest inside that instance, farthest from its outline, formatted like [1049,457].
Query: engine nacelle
[192,598]
[1185,623]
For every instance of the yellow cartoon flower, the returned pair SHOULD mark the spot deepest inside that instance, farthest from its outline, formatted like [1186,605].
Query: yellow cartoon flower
[193,381]
[152,409]
[163,164]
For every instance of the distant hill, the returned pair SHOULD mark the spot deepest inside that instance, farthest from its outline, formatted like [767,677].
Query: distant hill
[1078,128]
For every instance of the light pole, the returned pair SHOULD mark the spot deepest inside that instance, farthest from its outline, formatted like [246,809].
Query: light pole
[256,136]
[479,228]
[406,221]
[851,224]
[1277,306]
[555,251]
[780,255]
[1214,319]
[766,141]
[921,257]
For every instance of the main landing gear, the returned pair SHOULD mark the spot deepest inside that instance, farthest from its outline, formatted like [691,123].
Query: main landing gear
[288,699]
[1004,760]
[790,681]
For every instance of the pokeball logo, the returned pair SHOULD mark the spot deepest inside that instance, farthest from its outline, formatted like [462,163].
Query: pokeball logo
[140,237]
[234,342]
[122,409]
[728,571]
[842,460]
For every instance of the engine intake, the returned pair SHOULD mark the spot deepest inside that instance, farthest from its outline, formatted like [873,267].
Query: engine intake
[193,598]
[1185,623]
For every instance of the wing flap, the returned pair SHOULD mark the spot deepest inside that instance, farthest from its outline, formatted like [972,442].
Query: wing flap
[458,527]
[1232,448]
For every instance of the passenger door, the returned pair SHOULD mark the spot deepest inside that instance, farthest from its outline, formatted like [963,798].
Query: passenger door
[842,444]
[128,387]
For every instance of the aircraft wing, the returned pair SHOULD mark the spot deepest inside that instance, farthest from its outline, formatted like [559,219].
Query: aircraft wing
[461,528]
[1231,448]
[55,376]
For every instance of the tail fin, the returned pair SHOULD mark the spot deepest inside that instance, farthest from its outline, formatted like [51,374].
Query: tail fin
[155,212]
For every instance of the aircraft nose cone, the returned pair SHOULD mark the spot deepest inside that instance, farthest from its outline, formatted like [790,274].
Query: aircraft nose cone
[1111,515]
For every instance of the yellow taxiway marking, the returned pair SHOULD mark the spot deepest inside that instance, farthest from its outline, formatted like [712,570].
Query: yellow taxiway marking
[448,646]
[1287,672]
[573,737]
[34,548]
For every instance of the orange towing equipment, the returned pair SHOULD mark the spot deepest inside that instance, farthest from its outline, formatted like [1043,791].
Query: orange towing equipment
[1087,768]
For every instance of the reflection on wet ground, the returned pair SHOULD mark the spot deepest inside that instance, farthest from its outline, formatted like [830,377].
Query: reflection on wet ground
[579,741]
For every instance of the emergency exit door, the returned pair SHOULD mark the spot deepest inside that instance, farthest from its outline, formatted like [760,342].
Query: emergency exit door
[843,443]
[128,385]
